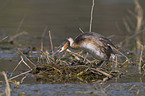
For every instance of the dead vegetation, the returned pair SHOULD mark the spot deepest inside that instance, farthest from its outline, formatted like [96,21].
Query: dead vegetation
[75,66]
[72,66]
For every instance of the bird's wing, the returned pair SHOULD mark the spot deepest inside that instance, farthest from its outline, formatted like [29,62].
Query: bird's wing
[106,41]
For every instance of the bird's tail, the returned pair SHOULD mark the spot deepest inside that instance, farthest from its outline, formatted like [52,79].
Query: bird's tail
[113,56]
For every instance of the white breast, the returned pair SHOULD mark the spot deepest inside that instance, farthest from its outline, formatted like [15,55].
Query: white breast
[93,50]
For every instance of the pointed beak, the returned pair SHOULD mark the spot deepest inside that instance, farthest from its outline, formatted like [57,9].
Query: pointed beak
[63,48]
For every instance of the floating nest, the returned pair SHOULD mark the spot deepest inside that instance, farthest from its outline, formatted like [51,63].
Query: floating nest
[72,67]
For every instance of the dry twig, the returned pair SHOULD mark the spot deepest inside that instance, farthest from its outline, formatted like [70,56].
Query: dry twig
[91,16]
[7,90]
[17,35]
[21,22]
[26,58]
[140,59]
[104,73]
[43,37]
[81,30]
[76,54]
[22,60]
[20,75]
[4,38]
[51,41]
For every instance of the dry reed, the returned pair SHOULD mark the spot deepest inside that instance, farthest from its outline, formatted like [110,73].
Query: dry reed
[140,59]
[22,60]
[4,38]
[7,90]
[51,41]
[26,57]
[42,37]
[93,3]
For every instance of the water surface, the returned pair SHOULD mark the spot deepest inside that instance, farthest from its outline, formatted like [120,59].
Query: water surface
[64,18]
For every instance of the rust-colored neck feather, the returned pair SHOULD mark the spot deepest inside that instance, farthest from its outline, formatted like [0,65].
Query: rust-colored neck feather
[72,44]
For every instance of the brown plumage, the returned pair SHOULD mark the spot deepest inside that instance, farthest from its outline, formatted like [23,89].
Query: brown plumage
[97,45]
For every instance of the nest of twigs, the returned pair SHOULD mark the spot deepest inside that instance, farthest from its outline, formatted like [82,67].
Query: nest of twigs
[72,67]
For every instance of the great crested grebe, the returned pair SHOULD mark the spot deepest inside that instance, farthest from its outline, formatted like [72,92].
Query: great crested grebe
[95,44]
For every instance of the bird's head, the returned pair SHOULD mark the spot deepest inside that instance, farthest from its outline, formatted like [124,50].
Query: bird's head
[67,44]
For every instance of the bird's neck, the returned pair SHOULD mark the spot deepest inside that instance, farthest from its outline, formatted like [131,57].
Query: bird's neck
[74,45]
[71,43]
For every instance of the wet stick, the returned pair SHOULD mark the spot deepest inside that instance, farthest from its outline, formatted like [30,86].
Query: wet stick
[140,59]
[20,75]
[7,90]
[4,38]
[26,57]
[22,60]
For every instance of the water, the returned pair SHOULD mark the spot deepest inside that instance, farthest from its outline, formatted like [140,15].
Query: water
[113,89]
[64,18]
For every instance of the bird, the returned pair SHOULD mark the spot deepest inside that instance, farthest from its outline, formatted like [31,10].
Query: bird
[99,46]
